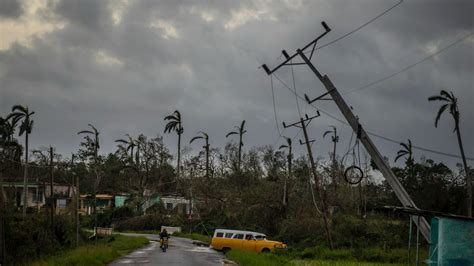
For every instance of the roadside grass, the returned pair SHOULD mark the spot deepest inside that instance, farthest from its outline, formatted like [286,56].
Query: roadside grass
[105,251]
[194,236]
[320,256]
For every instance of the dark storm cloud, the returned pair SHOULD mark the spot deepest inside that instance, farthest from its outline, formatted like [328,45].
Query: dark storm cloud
[10,9]
[124,75]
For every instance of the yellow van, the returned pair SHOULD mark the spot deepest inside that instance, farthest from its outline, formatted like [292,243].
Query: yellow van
[225,240]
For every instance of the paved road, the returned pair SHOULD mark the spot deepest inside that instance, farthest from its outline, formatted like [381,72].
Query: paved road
[181,252]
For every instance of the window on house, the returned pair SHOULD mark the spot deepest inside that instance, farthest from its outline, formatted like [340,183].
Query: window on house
[169,206]
[62,203]
[38,196]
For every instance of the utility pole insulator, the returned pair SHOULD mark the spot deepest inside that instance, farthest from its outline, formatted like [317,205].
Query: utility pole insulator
[285,54]
[266,69]
[326,27]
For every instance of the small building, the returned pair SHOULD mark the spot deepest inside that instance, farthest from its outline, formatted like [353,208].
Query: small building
[102,201]
[14,194]
[121,199]
[38,194]
[179,204]
[63,195]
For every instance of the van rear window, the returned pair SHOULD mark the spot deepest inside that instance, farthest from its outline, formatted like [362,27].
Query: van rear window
[228,235]
[220,235]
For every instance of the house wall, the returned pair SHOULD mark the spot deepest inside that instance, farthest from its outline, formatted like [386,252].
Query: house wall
[14,194]
[182,204]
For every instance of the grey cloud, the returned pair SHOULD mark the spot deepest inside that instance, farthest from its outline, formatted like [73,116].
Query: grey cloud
[211,74]
[10,9]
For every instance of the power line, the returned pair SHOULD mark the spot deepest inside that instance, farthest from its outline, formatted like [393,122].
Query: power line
[294,87]
[358,28]
[372,133]
[410,66]
[274,107]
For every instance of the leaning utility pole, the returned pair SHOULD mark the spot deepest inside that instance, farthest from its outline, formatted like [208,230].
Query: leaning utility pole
[387,172]
[303,123]
[51,179]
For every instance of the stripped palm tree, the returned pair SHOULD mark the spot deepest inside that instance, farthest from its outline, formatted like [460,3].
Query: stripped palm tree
[290,159]
[205,137]
[21,113]
[95,133]
[239,131]
[406,150]
[450,102]
[127,146]
[175,124]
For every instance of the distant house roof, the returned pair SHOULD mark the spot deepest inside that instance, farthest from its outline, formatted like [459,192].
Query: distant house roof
[98,196]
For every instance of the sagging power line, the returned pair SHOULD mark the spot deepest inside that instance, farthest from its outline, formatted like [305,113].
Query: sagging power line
[370,84]
[322,111]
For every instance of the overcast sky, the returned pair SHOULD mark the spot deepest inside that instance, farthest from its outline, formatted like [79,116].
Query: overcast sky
[123,65]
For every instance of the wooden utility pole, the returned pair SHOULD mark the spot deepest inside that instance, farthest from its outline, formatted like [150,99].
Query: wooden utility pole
[335,140]
[2,221]
[303,123]
[370,147]
[51,180]
[207,158]
[75,179]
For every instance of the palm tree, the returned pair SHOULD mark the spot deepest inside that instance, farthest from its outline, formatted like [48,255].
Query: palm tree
[289,158]
[451,102]
[175,124]
[21,113]
[204,136]
[239,131]
[7,130]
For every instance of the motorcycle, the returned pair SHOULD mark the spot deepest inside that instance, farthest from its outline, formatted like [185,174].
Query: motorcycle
[164,244]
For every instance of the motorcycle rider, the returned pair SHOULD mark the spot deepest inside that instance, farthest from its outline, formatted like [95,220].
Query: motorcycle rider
[163,236]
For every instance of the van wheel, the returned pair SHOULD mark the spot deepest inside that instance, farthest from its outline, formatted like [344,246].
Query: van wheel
[225,250]
[265,250]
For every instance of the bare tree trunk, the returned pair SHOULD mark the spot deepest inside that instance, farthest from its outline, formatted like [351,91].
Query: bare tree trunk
[51,180]
[25,176]
[207,160]
[240,152]
[2,221]
[466,171]
[179,155]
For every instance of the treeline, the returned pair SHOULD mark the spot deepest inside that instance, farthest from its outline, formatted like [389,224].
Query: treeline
[264,188]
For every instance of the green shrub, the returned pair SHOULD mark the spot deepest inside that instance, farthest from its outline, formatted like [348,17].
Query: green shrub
[144,222]
[32,237]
